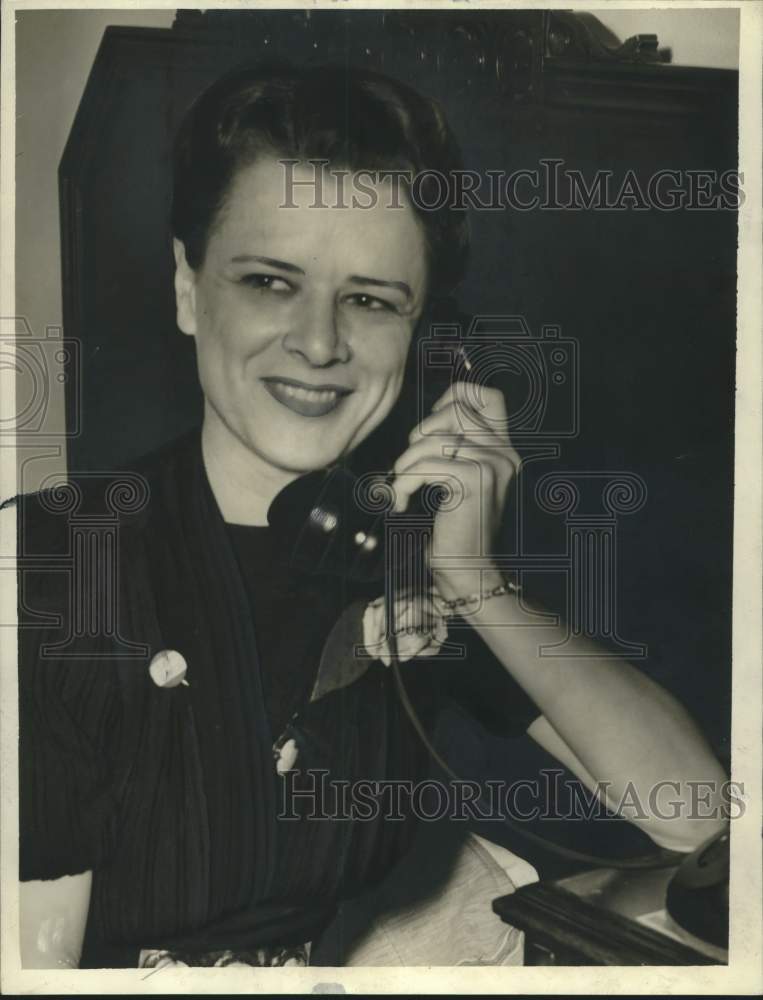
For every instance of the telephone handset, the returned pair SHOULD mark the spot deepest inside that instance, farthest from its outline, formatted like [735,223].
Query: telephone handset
[327,532]
[334,520]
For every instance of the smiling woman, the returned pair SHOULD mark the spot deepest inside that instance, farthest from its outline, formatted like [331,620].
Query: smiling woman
[151,798]
[301,313]
[303,306]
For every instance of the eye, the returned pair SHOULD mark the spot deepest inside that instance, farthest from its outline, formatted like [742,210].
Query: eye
[269,282]
[370,302]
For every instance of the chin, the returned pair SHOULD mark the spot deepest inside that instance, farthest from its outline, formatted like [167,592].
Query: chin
[300,461]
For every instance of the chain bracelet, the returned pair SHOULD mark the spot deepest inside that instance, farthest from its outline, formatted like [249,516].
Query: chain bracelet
[507,587]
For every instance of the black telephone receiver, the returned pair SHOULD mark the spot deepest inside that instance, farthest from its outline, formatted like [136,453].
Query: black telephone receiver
[333,520]
[328,533]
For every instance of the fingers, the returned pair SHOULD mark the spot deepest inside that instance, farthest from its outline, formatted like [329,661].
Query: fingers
[472,396]
[465,478]
[469,409]
[464,438]
[424,469]
[439,448]
[453,459]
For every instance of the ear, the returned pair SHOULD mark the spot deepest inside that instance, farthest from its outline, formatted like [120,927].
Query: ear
[185,290]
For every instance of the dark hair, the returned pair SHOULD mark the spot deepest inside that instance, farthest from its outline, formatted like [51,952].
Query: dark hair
[355,119]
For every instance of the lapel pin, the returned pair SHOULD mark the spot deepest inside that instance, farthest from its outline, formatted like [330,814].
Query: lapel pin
[285,753]
[168,669]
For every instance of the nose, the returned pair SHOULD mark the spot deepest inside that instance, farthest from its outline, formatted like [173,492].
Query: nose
[316,336]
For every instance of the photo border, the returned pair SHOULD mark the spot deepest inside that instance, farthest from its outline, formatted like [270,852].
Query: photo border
[743,973]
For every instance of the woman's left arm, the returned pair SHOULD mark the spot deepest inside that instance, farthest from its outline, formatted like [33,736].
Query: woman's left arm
[609,723]
[616,729]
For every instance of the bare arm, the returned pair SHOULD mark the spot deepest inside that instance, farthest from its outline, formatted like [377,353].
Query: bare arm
[53,915]
[608,722]
[605,719]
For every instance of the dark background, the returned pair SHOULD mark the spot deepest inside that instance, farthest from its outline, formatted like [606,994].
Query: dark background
[649,296]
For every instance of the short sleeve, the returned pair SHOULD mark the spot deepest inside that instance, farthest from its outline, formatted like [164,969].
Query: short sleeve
[68,720]
[480,685]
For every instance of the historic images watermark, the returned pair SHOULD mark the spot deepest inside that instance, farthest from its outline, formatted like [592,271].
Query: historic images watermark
[549,186]
[38,362]
[312,794]
[543,412]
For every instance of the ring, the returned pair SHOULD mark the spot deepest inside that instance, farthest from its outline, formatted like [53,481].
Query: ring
[459,442]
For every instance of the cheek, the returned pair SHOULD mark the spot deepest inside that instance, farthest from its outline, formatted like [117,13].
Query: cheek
[397,363]
[384,356]
[231,330]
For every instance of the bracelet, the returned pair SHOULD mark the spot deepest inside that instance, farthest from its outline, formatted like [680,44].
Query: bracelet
[507,587]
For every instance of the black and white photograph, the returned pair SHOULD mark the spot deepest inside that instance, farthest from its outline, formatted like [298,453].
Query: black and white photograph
[381,497]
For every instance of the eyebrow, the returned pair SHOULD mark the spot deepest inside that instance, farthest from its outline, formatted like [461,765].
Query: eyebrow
[356,279]
[401,286]
[246,258]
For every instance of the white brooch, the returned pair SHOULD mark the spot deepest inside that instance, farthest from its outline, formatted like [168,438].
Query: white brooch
[286,756]
[168,669]
[420,629]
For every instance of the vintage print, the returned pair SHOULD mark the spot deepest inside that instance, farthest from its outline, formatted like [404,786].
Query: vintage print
[373,502]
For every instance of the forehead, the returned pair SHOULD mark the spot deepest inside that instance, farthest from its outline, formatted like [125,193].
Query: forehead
[308,213]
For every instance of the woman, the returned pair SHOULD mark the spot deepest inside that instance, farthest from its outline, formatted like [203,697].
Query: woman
[150,805]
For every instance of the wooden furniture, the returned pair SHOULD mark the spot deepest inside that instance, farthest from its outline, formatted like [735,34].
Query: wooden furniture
[597,918]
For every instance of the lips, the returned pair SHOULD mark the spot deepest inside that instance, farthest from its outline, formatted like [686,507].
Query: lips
[305,399]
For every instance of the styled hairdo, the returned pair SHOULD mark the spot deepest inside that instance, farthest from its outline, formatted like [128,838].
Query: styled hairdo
[355,119]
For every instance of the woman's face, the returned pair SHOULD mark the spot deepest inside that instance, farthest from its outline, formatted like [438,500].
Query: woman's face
[302,316]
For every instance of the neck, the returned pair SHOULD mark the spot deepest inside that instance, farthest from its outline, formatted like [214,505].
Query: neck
[244,484]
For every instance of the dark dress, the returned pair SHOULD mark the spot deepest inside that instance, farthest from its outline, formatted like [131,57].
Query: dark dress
[171,795]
